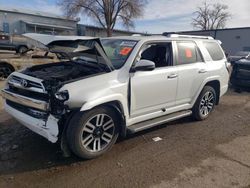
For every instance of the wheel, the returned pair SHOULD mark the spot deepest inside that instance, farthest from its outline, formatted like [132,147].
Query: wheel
[205,103]
[22,49]
[5,70]
[91,134]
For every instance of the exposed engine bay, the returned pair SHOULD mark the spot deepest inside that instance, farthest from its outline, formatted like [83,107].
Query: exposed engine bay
[61,72]
[79,59]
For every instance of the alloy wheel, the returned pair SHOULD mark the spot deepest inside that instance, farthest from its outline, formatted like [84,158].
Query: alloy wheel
[207,104]
[98,133]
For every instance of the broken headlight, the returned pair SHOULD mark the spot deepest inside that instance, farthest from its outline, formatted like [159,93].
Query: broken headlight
[62,95]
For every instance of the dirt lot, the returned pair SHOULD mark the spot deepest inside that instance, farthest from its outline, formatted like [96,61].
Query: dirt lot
[212,153]
[1,101]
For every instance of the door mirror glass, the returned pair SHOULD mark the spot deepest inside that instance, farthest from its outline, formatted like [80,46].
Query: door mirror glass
[144,65]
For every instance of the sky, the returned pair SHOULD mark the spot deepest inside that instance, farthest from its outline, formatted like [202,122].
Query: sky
[159,15]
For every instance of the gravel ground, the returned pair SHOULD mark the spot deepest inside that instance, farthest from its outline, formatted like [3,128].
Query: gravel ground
[1,101]
[212,153]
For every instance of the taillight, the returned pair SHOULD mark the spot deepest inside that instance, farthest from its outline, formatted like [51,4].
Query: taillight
[228,66]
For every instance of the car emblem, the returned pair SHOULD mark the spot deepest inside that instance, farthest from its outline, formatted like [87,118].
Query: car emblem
[24,83]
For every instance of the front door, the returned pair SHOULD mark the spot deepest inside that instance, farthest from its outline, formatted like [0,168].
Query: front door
[152,91]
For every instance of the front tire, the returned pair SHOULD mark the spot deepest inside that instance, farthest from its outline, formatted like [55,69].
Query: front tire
[205,103]
[92,133]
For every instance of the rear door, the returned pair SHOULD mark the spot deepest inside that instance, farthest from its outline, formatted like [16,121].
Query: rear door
[192,71]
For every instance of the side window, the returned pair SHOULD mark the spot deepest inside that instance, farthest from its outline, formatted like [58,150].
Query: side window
[214,50]
[159,53]
[188,53]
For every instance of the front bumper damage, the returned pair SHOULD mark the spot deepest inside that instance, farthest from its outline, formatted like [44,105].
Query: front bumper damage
[30,106]
[47,128]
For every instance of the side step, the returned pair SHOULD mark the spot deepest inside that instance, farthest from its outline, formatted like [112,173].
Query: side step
[157,121]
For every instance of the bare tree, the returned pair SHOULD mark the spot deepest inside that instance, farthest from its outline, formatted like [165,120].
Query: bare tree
[105,12]
[211,16]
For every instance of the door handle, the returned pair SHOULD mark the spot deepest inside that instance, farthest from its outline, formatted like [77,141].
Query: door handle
[202,71]
[172,76]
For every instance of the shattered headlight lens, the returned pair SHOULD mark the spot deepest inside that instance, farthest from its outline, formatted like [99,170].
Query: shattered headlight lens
[62,95]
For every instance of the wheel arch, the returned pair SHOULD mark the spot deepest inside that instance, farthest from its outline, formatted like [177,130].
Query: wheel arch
[216,85]
[117,107]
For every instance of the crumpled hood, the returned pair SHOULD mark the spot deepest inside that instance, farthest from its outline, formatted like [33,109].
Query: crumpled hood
[55,40]
[47,39]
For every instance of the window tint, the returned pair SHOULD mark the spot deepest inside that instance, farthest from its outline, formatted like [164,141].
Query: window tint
[187,53]
[214,50]
[160,54]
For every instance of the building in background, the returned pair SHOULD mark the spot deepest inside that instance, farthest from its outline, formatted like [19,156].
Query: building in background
[87,30]
[19,21]
[233,39]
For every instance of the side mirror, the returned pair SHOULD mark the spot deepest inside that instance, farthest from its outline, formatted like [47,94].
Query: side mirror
[144,65]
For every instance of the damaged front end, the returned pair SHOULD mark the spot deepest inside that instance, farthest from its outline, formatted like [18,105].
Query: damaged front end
[27,101]
[33,95]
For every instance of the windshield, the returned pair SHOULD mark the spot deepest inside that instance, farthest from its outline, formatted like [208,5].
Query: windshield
[118,50]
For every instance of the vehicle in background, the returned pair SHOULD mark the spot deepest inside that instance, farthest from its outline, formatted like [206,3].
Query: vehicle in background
[109,87]
[14,43]
[240,77]
[14,62]
[239,55]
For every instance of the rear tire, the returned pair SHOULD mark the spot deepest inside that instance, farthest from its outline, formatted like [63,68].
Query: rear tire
[205,103]
[92,133]
[22,49]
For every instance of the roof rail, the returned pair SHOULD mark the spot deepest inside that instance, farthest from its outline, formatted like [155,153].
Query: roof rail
[189,36]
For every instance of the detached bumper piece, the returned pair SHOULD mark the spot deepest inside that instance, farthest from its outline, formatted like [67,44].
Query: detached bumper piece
[26,100]
[47,128]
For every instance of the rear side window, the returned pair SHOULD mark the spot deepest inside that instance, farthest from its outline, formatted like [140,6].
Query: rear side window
[188,53]
[214,50]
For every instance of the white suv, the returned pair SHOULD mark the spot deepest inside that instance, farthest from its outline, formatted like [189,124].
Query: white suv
[108,87]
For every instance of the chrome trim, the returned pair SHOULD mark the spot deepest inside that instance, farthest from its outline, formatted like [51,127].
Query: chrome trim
[16,82]
[33,103]
[35,82]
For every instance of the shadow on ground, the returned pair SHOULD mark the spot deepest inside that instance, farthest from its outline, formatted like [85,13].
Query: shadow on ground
[22,150]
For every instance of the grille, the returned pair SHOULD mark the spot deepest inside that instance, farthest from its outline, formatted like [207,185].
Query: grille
[19,80]
[23,87]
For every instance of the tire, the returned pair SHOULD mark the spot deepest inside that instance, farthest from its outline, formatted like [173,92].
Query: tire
[5,70]
[205,103]
[22,49]
[92,133]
